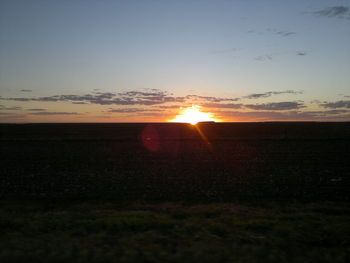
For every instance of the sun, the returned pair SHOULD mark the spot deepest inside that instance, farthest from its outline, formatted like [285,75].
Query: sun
[193,115]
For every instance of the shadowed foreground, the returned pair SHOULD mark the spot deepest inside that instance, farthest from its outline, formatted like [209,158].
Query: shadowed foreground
[169,232]
[255,192]
[178,162]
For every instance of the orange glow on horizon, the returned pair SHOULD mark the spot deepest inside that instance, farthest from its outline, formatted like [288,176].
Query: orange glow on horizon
[194,115]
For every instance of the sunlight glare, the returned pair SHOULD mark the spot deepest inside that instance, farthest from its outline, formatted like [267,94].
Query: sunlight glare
[193,115]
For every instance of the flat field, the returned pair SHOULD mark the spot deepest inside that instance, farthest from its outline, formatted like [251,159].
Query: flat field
[176,162]
[215,192]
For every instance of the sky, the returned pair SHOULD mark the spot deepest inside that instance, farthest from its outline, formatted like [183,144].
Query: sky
[142,60]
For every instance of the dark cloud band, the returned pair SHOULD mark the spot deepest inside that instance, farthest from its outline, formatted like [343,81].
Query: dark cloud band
[337,104]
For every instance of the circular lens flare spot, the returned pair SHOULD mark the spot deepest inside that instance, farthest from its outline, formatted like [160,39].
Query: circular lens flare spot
[150,138]
[193,115]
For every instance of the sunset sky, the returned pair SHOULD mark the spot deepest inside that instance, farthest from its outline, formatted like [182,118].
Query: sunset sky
[140,61]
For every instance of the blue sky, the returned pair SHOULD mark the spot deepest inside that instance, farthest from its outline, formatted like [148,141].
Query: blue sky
[226,49]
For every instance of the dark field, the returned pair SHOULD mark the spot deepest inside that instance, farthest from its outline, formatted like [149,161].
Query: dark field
[171,162]
[224,192]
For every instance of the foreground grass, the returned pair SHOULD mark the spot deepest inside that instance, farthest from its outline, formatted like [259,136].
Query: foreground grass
[172,232]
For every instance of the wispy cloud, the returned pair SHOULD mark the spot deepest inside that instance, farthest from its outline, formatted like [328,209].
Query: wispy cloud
[334,11]
[223,106]
[5,116]
[328,112]
[9,108]
[130,110]
[301,53]
[171,106]
[287,115]
[271,93]
[209,98]
[126,98]
[276,106]
[273,31]
[263,57]
[106,98]
[283,33]
[26,90]
[153,97]
[337,104]
[153,114]
[271,56]
[272,106]
[36,109]
[54,113]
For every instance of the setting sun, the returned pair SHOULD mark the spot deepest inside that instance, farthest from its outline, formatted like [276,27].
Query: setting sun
[193,115]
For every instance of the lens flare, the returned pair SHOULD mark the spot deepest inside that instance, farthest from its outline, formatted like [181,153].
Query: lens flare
[193,115]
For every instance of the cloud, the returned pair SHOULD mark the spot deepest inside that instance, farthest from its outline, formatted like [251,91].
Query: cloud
[264,57]
[287,116]
[271,93]
[334,11]
[153,114]
[154,93]
[147,98]
[328,112]
[278,32]
[337,104]
[104,95]
[219,105]
[107,98]
[171,106]
[128,110]
[26,90]
[7,113]
[38,109]
[10,116]
[153,97]
[54,113]
[287,105]
[209,98]
[17,99]
[273,106]
[271,56]
[2,107]
[283,33]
